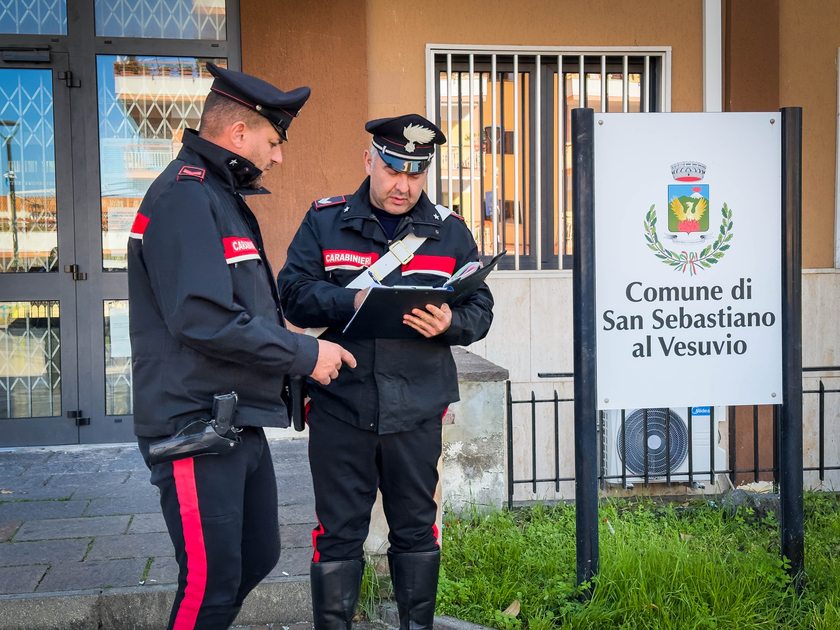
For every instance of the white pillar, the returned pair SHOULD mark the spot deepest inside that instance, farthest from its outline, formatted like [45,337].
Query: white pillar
[712,56]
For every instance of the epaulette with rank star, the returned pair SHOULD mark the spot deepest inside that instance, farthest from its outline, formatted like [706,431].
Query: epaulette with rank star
[326,202]
[191,172]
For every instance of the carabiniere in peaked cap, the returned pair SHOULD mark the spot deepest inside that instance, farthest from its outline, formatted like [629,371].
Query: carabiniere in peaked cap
[279,107]
[406,143]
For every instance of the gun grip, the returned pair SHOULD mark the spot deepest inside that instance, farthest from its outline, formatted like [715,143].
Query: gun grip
[223,407]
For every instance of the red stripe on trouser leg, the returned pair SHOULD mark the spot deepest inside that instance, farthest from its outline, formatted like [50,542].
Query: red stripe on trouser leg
[184,473]
[315,533]
[434,526]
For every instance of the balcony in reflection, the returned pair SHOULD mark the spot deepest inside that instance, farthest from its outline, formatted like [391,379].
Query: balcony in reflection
[28,229]
[145,103]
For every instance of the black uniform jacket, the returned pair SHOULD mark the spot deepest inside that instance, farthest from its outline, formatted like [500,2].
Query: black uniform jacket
[398,383]
[205,316]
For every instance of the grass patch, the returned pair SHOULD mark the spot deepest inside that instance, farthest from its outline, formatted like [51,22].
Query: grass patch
[146,570]
[89,547]
[664,567]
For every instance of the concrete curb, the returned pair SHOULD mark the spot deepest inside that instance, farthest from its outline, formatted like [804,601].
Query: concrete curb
[283,600]
[72,610]
[389,616]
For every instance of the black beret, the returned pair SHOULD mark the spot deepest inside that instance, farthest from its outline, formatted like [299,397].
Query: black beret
[279,107]
[406,143]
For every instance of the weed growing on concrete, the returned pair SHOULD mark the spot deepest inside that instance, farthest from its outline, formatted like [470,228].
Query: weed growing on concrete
[376,587]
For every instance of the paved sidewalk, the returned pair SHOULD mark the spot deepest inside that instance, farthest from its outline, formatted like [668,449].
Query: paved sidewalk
[86,519]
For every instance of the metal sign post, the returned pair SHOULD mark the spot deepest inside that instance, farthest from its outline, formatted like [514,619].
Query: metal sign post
[583,292]
[790,449]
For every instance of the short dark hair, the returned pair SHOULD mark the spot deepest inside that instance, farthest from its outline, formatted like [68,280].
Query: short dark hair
[220,111]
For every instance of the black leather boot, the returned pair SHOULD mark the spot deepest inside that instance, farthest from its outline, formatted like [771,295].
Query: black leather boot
[335,593]
[415,579]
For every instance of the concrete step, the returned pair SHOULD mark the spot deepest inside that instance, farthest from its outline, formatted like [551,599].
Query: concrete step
[274,603]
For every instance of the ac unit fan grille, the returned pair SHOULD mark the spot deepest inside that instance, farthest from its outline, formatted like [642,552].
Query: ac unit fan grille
[657,443]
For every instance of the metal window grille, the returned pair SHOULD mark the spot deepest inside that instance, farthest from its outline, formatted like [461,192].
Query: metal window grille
[506,112]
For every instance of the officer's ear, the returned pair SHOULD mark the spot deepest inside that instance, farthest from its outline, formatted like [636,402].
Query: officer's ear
[368,161]
[236,134]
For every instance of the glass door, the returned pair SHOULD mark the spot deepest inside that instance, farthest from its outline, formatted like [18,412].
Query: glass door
[146,83]
[38,359]
[144,104]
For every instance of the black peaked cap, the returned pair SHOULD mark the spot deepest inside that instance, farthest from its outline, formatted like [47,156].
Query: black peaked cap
[409,138]
[279,107]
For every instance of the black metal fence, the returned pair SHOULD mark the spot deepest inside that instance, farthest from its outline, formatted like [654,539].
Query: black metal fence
[660,422]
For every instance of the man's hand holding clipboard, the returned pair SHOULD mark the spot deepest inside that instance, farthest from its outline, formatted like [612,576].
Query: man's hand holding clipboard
[392,312]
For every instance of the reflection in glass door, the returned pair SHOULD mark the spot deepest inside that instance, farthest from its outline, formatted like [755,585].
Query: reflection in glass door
[30,359]
[33,17]
[28,228]
[145,103]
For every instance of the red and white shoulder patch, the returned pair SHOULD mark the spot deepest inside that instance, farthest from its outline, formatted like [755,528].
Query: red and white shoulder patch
[239,248]
[191,172]
[139,226]
[345,259]
[326,202]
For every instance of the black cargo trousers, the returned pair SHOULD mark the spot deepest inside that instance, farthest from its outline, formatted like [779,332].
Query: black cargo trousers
[348,466]
[221,513]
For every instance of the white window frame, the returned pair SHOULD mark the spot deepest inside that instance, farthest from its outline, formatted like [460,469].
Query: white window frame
[434,52]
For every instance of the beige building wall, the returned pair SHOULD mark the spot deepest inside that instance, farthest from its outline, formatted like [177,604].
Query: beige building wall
[319,43]
[809,36]
[751,56]
[397,34]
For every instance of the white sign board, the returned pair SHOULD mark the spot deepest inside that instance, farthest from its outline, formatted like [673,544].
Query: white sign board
[688,259]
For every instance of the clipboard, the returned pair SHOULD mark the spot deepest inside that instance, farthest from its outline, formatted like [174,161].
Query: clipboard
[380,315]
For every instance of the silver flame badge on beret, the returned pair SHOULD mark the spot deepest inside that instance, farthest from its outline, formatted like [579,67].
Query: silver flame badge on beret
[415,134]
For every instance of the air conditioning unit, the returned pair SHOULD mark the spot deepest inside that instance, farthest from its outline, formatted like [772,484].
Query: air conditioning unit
[703,436]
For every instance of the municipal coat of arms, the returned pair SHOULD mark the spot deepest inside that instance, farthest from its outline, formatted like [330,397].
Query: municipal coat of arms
[688,223]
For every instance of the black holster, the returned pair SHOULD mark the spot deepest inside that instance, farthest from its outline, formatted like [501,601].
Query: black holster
[297,391]
[200,437]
